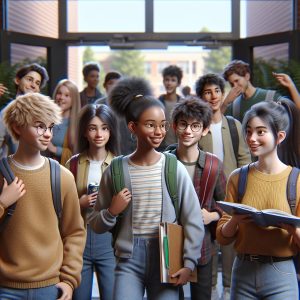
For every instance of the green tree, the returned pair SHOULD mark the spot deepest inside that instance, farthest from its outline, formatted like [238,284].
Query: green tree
[262,73]
[128,62]
[88,55]
[217,59]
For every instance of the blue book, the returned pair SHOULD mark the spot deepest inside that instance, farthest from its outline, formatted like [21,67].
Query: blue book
[264,218]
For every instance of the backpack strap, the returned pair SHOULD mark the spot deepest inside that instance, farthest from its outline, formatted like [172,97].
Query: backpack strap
[74,165]
[236,107]
[208,178]
[56,188]
[9,176]
[270,95]
[291,189]
[171,180]
[234,136]
[117,174]
[242,182]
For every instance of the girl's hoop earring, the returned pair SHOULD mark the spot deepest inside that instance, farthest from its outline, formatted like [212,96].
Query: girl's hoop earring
[133,137]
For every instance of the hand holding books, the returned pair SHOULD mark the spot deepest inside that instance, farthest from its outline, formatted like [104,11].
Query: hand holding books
[264,218]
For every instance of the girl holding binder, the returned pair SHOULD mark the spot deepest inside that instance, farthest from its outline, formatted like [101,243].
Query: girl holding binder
[263,268]
[145,202]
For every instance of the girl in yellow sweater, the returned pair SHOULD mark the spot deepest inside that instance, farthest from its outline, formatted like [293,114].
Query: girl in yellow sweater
[263,268]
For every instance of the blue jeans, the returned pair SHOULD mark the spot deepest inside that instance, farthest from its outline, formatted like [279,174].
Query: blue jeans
[98,255]
[201,290]
[142,272]
[49,293]
[269,281]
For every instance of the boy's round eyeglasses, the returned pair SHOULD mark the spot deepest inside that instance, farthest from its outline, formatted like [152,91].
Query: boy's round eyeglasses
[195,127]
[42,128]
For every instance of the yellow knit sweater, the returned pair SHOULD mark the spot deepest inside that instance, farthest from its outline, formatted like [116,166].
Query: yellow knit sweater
[263,191]
[33,252]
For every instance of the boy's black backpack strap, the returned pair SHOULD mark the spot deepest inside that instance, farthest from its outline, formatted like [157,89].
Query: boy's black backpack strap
[242,183]
[9,176]
[291,189]
[234,136]
[56,188]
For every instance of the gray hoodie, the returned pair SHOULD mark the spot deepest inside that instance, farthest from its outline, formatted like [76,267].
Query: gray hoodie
[190,214]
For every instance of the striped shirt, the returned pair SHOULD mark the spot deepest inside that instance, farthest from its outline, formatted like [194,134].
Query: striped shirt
[146,183]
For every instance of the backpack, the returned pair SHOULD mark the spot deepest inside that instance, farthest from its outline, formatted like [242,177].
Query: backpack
[291,188]
[118,184]
[236,105]
[55,188]
[234,136]
[207,183]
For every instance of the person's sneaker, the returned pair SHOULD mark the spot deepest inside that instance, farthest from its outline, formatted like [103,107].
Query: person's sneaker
[214,293]
[226,293]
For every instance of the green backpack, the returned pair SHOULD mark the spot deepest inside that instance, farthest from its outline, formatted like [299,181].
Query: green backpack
[119,184]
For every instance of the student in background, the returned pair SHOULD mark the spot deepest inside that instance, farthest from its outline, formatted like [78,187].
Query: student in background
[40,256]
[91,75]
[191,120]
[243,94]
[172,76]
[29,79]
[263,267]
[64,135]
[111,78]
[97,144]
[220,141]
[136,244]
[286,81]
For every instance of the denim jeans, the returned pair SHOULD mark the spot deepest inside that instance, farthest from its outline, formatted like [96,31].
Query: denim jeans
[98,255]
[201,290]
[142,272]
[49,293]
[269,281]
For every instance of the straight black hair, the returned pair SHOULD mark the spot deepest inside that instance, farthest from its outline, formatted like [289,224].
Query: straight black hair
[106,115]
[281,116]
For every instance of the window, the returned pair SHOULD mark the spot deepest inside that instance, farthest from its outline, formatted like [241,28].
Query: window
[106,16]
[33,17]
[264,17]
[192,16]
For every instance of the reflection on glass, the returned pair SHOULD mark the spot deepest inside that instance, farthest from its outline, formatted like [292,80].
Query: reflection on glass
[263,17]
[22,54]
[192,16]
[33,17]
[106,16]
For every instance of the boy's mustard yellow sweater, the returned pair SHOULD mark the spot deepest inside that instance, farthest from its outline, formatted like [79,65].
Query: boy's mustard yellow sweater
[33,252]
[263,191]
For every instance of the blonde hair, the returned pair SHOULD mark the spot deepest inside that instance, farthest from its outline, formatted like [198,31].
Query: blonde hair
[75,108]
[29,108]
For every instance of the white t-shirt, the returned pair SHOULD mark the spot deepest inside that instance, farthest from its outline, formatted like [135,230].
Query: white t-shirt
[216,132]
[94,171]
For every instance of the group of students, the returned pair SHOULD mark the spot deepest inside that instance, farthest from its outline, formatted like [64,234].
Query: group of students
[41,258]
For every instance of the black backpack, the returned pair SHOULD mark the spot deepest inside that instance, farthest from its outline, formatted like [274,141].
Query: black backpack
[55,188]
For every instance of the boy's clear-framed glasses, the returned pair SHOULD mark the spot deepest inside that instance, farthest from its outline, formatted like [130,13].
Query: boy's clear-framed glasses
[152,126]
[195,127]
[41,128]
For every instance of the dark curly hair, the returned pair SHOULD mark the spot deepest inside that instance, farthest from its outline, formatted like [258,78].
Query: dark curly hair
[130,97]
[173,70]
[193,108]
